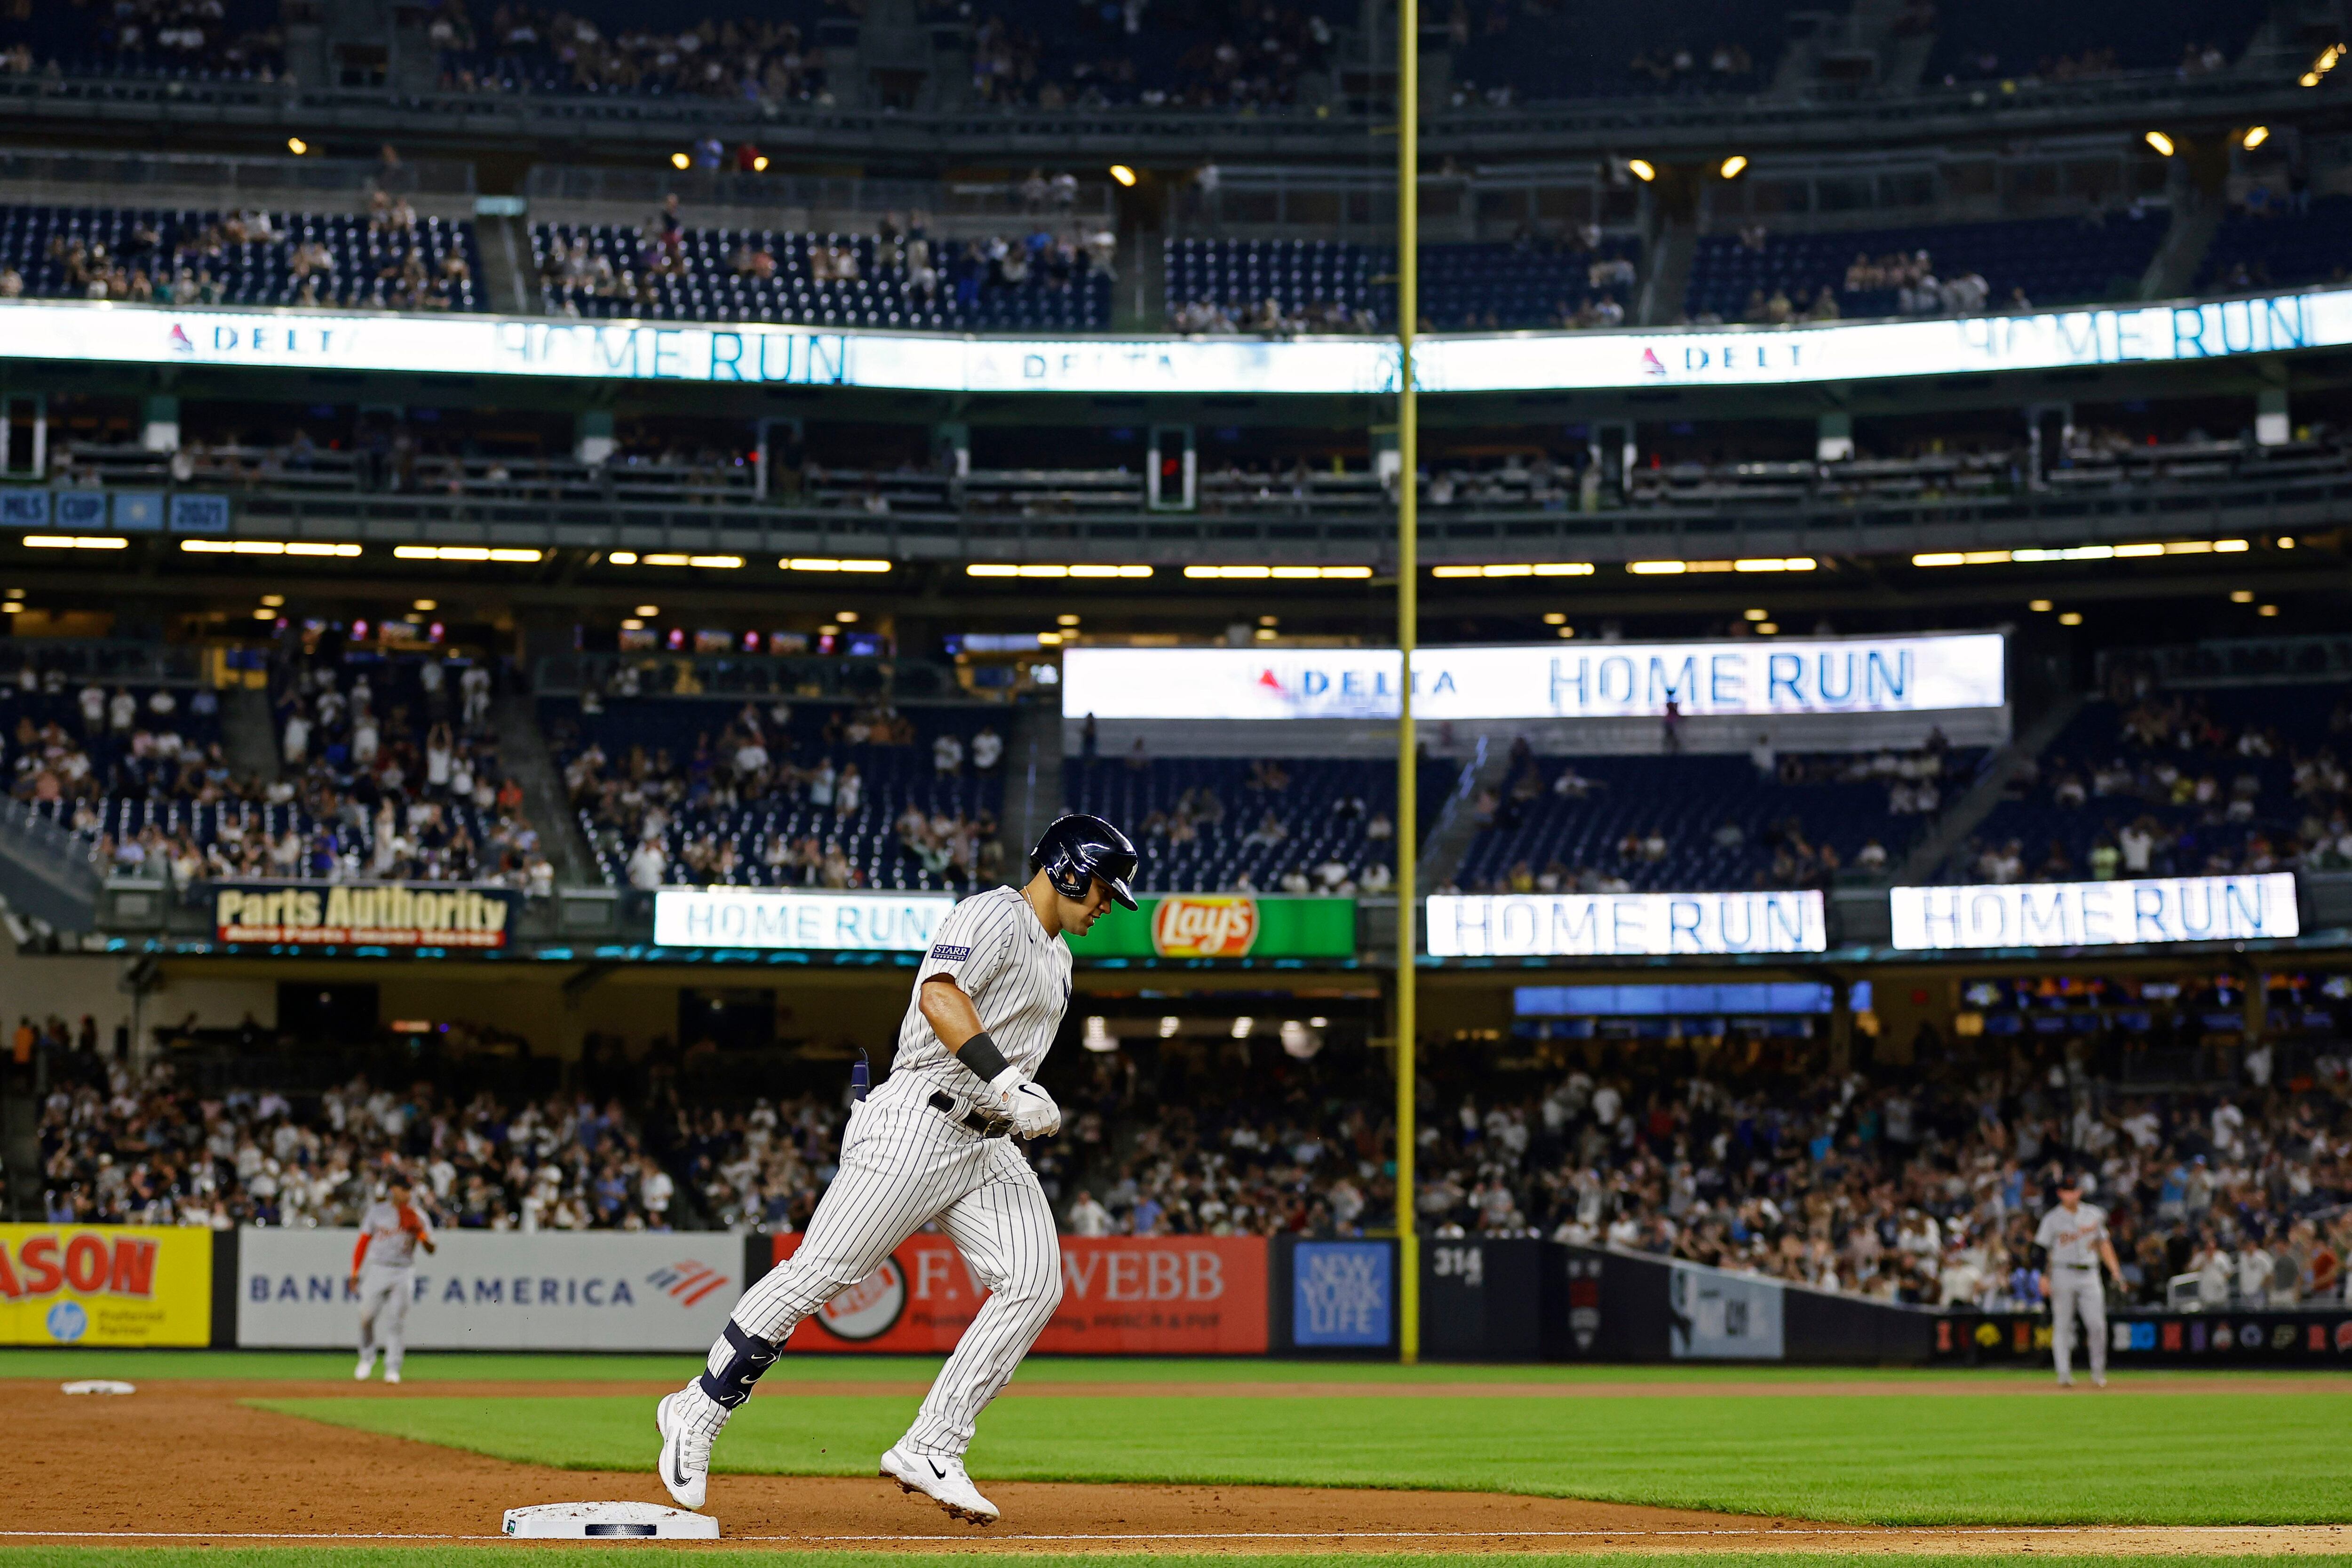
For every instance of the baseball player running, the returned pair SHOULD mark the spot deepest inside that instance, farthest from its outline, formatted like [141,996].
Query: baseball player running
[928,1145]
[383,1277]
[2074,1234]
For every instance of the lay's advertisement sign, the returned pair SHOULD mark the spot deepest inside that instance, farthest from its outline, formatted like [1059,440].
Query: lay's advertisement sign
[1223,926]
[105,1285]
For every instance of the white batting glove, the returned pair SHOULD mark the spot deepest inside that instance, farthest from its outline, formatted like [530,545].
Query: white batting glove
[1025,1104]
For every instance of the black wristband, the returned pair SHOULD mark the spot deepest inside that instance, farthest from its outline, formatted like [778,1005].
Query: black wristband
[980,1055]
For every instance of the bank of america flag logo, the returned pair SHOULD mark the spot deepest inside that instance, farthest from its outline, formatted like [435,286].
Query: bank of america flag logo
[686,1281]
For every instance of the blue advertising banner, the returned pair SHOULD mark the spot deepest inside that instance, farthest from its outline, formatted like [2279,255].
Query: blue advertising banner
[1341,1295]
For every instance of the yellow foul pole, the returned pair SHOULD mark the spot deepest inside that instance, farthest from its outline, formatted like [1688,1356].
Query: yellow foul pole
[1408,836]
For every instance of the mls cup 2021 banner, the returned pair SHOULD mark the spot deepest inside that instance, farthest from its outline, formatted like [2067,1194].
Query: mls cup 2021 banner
[1178,1295]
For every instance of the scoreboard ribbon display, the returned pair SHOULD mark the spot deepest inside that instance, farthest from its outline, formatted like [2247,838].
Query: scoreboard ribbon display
[388,914]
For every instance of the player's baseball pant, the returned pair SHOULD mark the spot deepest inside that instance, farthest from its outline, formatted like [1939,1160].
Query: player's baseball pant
[903,1165]
[384,1295]
[2073,1291]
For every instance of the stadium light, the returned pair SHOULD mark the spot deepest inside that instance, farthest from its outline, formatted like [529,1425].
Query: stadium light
[75,541]
[295,145]
[2070,618]
[1759,614]
[266,547]
[648,611]
[2039,606]
[460,552]
[2242,596]
[275,601]
[1517,569]
[1122,174]
[1735,166]
[680,161]
[1032,569]
[759,163]
[2254,137]
[1282,574]
[2080,553]
[2161,142]
[1758,564]
[2266,610]
[827,563]
[1642,169]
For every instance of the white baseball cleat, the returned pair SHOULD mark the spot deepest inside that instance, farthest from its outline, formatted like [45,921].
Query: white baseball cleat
[360,1372]
[941,1480]
[685,1462]
[390,1375]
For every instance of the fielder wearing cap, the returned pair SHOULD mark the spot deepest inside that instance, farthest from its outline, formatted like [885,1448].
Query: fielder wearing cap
[2074,1234]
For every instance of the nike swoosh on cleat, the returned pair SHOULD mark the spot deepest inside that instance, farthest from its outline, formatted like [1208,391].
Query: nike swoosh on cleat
[941,1474]
[678,1468]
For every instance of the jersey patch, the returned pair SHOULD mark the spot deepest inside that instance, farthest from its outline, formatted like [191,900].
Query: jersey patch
[946,953]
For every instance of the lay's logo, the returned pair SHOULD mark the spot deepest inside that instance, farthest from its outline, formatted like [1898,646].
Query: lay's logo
[1220,926]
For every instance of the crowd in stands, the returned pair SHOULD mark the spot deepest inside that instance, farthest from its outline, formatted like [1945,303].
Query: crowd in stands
[390,772]
[901,275]
[1577,278]
[1760,276]
[825,796]
[1206,54]
[148,1148]
[2152,782]
[1742,1149]
[388,259]
[1264,825]
[2270,240]
[2013,40]
[773,59]
[238,40]
[1771,820]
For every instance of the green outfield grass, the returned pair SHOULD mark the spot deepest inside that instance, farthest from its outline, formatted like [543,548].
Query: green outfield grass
[501,1556]
[431,1366]
[1889,1458]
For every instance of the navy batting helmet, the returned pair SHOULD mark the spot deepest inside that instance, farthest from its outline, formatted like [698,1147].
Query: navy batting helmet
[1078,849]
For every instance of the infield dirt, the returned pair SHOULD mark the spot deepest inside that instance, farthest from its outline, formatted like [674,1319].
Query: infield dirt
[190,1462]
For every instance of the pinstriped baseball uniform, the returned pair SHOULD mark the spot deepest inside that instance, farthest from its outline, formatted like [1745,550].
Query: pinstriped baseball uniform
[906,1161]
[2072,1240]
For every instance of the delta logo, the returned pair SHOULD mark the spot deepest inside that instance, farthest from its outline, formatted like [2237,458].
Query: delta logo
[87,1263]
[686,1281]
[179,342]
[1214,927]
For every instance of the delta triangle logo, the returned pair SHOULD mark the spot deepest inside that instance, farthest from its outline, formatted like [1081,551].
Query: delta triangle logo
[179,342]
[1650,363]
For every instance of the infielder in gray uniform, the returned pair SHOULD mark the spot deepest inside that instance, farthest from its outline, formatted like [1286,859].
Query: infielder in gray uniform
[930,1144]
[2074,1234]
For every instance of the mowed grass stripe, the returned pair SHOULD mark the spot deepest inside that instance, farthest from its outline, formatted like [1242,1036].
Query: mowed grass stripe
[1889,1458]
[499,1555]
[431,1366]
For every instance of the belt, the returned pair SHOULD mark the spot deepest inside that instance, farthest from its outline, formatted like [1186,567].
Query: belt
[2078,1265]
[945,1104]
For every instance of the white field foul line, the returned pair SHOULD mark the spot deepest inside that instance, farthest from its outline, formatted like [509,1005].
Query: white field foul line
[1787,1532]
